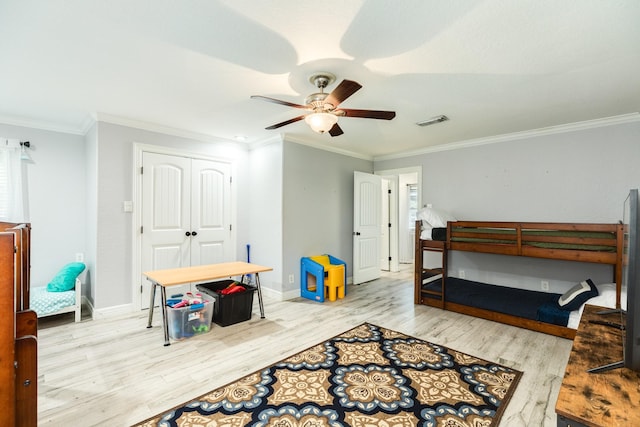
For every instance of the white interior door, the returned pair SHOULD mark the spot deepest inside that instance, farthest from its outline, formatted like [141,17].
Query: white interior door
[186,215]
[367,221]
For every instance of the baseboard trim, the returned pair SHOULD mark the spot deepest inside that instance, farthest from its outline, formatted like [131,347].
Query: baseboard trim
[110,312]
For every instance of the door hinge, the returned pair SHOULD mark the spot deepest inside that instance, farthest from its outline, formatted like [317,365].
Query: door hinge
[141,229]
[389,258]
[230,180]
[141,170]
[389,225]
[230,227]
[141,288]
[389,191]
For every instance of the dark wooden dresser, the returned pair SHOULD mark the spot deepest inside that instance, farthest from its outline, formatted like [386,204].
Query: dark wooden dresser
[610,398]
[18,330]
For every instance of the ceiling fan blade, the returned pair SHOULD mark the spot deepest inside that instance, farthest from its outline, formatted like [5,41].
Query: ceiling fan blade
[278,101]
[279,125]
[335,130]
[345,89]
[366,114]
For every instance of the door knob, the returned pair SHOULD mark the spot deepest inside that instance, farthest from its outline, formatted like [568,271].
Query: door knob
[194,233]
[188,233]
[356,233]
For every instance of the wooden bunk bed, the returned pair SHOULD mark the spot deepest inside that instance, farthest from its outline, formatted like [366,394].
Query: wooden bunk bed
[594,243]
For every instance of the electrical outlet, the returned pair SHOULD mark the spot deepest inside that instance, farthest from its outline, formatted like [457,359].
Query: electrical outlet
[291,278]
[80,257]
[544,285]
[461,274]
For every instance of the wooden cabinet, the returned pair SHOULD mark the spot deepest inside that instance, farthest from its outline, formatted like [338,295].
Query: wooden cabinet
[18,330]
[610,398]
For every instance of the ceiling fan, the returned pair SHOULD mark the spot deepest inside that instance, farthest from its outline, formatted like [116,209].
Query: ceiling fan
[323,107]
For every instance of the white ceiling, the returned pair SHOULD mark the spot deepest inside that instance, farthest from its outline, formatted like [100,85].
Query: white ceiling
[492,66]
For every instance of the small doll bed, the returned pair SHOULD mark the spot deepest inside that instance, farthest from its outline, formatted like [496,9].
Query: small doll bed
[63,294]
[46,303]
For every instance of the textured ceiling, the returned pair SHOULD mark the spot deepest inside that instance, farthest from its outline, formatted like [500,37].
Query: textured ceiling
[493,67]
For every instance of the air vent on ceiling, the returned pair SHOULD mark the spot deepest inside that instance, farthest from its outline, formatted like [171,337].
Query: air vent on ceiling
[433,120]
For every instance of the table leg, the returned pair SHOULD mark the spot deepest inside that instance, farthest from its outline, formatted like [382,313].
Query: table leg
[260,296]
[165,325]
[153,297]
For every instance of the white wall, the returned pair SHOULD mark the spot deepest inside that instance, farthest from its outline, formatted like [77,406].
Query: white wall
[90,176]
[114,255]
[57,198]
[91,211]
[77,185]
[265,213]
[579,176]
[318,207]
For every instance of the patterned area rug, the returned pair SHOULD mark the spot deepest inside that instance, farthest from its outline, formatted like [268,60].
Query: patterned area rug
[368,376]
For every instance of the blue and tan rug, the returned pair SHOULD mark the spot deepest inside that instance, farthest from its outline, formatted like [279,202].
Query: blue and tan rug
[368,376]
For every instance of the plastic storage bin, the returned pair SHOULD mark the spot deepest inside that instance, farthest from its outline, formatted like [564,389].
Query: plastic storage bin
[232,308]
[185,322]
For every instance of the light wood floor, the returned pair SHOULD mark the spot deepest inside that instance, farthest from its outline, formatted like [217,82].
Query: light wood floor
[116,372]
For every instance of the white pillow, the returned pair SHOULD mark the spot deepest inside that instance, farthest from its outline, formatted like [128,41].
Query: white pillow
[435,218]
[606,296]
[425,234]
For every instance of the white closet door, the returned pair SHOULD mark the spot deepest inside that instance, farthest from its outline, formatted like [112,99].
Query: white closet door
[210,212]
[166,186]
[186,215]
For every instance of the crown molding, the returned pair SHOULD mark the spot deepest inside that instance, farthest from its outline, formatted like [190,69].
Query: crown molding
[40,124]
[167,130]
[336,150]
[91,119]
[88,123]
[263,143]
[551,130]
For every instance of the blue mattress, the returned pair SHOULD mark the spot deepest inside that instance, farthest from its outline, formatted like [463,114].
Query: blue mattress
[523,303]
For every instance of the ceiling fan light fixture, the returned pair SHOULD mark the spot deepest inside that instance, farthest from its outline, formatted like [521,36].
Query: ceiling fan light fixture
[323,109]
[321,122]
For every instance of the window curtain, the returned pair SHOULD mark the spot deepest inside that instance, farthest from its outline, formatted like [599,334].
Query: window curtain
[13,194]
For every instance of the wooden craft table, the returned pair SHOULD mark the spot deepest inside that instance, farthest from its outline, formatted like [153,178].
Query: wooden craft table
[195,274]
